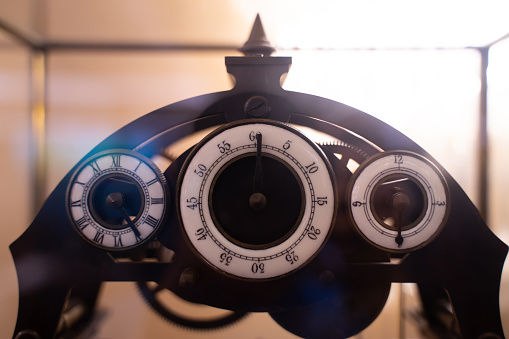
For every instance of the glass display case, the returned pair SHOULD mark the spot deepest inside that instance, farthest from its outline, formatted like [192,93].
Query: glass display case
[73,73]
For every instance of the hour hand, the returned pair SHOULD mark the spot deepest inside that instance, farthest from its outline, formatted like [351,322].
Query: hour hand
[117,201]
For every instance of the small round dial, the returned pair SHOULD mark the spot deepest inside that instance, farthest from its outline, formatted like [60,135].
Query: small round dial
[399,201]
[117,199]
[257,199]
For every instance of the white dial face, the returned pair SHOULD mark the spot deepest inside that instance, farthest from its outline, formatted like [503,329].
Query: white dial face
[257,199]
[399,201]
[117,199]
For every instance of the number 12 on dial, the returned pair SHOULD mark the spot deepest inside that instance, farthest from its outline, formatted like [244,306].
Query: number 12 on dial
[399,201]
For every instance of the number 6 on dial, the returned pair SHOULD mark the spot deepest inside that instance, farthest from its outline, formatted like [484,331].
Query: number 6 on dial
[399,201]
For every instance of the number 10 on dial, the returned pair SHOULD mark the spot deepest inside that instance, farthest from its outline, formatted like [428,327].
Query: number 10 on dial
[256,199]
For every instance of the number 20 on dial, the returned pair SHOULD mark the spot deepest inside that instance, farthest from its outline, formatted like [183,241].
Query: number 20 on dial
[256,199]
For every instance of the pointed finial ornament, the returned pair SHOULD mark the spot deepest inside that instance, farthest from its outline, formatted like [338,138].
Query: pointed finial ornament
[257,44]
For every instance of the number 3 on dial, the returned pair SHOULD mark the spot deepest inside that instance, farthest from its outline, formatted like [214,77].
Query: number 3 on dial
[117,199]
[399,201]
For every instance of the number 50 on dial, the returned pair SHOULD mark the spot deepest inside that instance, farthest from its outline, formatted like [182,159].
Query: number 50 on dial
[256,199]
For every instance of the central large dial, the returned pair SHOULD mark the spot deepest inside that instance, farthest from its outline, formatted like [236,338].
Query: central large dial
[257,199]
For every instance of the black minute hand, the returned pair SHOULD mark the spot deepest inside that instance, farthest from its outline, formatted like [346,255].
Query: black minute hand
[257,200]
[130,222]
[400,203]
[258,175]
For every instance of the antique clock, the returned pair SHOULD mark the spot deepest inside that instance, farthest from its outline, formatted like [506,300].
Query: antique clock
[254,215]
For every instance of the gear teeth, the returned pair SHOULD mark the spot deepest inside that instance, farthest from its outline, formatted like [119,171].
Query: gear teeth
[339,146]
[180,321]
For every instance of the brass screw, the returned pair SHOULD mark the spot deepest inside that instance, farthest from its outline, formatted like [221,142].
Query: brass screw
[257,107]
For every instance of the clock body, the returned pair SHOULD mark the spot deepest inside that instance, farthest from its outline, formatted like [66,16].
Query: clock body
[275,201]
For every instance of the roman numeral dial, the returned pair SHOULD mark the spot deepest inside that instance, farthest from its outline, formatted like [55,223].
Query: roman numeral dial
[117,200]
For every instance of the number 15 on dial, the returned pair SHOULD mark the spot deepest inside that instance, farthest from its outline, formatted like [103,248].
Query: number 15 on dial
[256,199]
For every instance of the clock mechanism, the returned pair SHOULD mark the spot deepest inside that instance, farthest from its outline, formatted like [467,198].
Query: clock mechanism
[254,212]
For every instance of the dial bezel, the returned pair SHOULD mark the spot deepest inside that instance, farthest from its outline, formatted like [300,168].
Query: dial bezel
[153,189]
[218,248]
[398,162]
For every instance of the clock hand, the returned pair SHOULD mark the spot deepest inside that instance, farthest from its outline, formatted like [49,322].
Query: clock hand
[400,202]
[122,181]
[130,223]
[257,200]
[258,175]
[116,201]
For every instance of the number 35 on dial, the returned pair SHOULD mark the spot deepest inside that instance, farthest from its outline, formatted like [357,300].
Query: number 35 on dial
[256,199]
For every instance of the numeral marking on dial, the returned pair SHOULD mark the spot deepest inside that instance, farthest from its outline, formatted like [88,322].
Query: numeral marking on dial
[223,147]
[321,201]
[292,257]
[313,168]
[200,233]
[258,268]
[136,169]
[225,259]
[193,203]
[118,241]
[151,221]
[287,145]
[151,182]
[156,201]
[99,237]
[313,233]
[82,223]
[201,170]
[252,135]
[115,160]
[95,167]
[76,203]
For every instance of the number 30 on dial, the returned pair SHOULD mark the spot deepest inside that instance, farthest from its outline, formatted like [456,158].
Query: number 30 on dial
[256,199]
